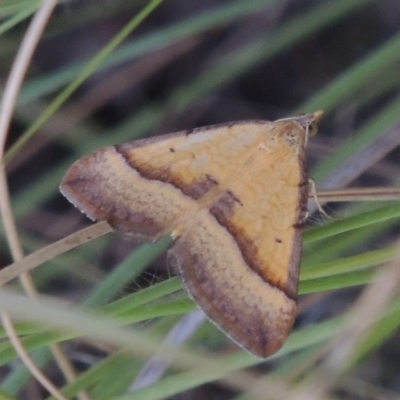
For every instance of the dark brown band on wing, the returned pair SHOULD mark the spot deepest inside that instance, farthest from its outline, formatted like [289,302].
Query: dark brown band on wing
[295,259]
[303,183]
[221,211]
[87,193]
[249,326]
[195,190]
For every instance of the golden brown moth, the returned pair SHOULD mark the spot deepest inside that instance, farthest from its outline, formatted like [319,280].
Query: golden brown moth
[234,198]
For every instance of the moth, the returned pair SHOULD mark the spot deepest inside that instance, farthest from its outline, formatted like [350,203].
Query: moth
[233,197]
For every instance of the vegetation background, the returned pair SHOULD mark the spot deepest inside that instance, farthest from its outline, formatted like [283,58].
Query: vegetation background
[107,72]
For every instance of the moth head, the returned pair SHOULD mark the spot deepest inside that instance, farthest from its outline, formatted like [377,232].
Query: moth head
[290,133]
[298,129]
